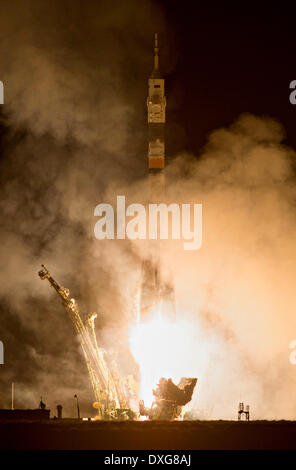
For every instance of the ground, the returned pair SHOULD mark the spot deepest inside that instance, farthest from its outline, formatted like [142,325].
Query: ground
[71,434]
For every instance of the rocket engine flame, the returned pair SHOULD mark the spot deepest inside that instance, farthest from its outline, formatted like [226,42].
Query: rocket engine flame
[163,348]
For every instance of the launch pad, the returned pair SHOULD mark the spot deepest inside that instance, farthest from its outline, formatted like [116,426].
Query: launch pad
[169,399]
[111,390]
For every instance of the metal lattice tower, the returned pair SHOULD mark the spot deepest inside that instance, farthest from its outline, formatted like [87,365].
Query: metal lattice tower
[104,382]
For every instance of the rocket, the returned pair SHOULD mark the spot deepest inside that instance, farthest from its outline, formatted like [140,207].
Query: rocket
[154,291]
[156,104]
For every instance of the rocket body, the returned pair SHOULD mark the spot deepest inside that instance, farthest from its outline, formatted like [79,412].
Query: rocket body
[154,292]
[156,105]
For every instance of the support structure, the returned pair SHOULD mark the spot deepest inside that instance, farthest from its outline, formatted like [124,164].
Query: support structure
[243,412]
[107,386]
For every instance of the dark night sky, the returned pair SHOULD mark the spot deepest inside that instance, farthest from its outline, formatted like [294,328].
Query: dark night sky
[224,60]
[232,59]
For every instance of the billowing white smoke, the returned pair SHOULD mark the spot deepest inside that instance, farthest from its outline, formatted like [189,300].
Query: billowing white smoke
[73,141]
[240,285]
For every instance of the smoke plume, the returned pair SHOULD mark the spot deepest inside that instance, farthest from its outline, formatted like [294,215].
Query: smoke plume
[74,135]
